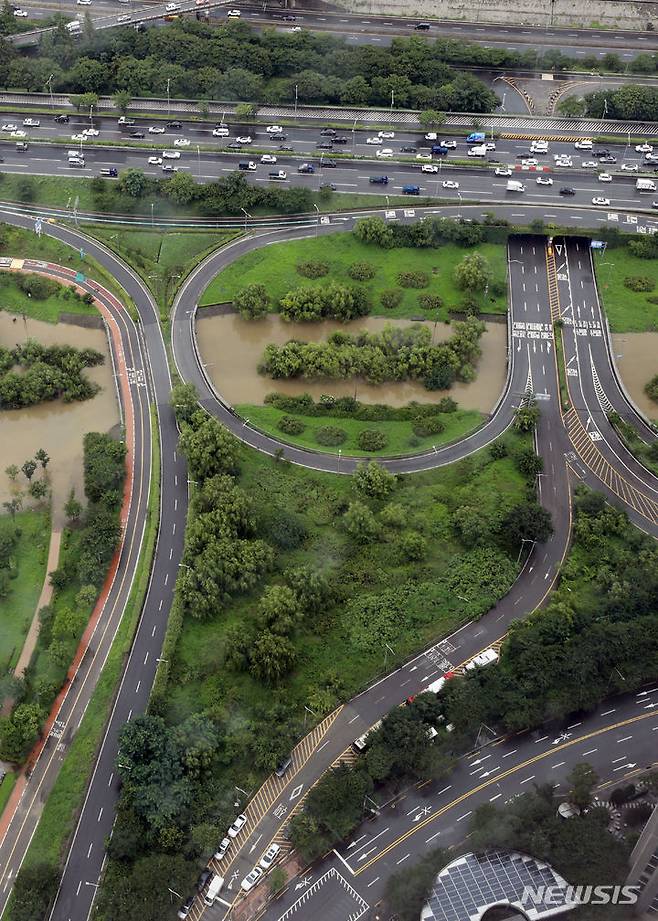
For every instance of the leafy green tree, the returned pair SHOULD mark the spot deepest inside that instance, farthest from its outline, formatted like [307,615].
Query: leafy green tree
[373,480]
[209,448]
[582,781]
[527,521]
[181,188]
[650,388]
[129,894]
[104,467]
[252,302]
[279,609]
[34,891]
[311,587]
[43,458]
[68,623]
[133,182]
[473,273]
[245,110]
[277,880]
[572,107]
[122,100]
[408,890]
[308,836]
[271,657]
[412,546]
[12,472]
[29,468]
[185,401]
[97,544]
[73,508]
[38,489]
[529,463]
[430,118]
[374,230]
[472,525]
[13,505]
[527,415]
[360,523]
[85,597]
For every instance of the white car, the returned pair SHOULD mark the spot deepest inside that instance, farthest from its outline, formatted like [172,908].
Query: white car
[268,158]
[171,154]
[373,140]
[544,180]
[488,657]
[251,879]
[9,127]
[78,137]
[155,161]
[83,2]
[502,171]
[296,29]
[234,14]
[171,8]
[182,142]
[644,148]
[168,168]
[385,153]
[450,184]
[589,164]
[156,129]
[274,129]
[564,163]
[124,17]
[427,157]
[629,167]
[224,845]
[604,177]
[651,158]
[18,134]
[449,145]
[530,161]
[31,122]
[601,201]
[583,145]
[429,168]
[20,14]
[490,145]
[91,132]
[388,135]
[269,856]
[244,140]
[234,830]
[220,131]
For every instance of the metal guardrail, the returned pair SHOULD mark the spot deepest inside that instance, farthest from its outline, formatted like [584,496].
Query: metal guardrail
[350,117]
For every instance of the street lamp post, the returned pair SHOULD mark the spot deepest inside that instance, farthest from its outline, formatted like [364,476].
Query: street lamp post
[392,100]
[353,137]
[49,84]
[152,207]
[198,160]
[168,97]
[459,215]
[317,222]
[246,215]
[296,96]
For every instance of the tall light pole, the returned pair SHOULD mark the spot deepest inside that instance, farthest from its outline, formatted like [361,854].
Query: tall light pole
[392,100]
[49,84]
[168,97]
[198,159]
[91,115]
[296,97]
[353,137]
[246,215]
[460,204]
[152,206]
[317,223]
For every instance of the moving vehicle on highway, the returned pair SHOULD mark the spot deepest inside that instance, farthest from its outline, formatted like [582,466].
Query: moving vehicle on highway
[279,174]
[385,153]
[567,190]
[629,168]
[597,200]
[387,135]
[514,185]
[181,142]
[645,185]
[247,165]
[31,123]
[171,154]
[274,129]
[411,189]
[429,168]
[154,161]
[544,180]
[584,144]
[604,177]
[379,180]
[475,137]
[157,129]
[268,158]
[361,743]
[111,171]
[20,14]
[374,140]
[479,150]
[502,171]
[306,168]
[245,139]
[488,657]
[220,131]
[450,184]
[644,148]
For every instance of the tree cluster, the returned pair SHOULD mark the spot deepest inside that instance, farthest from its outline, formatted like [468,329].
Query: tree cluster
[45,373]
[634,102]
[576,653]
[332,301]
[395,354]
[351,408]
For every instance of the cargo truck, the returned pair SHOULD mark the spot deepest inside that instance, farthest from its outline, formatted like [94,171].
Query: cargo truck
[645,185]
[475,137]
[513,185]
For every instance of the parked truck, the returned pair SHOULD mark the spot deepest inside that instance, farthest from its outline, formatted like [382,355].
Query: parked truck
[645,185]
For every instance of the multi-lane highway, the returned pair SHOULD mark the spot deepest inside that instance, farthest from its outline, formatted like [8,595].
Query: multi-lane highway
[348,167]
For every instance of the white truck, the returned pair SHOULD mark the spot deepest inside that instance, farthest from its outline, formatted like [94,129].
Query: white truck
[645,185]
[479,150]
[214,889]
[513,185]
[74,27]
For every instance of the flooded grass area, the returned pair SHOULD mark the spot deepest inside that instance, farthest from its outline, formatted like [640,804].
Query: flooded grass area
[275,267]
[56,426]
[231,349]
[636,357]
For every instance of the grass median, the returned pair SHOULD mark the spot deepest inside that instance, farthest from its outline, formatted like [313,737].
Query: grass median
[64,802]
[628,311]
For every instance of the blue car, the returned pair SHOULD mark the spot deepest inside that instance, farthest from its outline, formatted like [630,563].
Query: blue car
[411,190]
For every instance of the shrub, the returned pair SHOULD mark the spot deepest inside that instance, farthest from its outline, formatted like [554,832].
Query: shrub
[313,269]
[651,389]
[498,450]
[430,301]
[390,298]
[447,405]
[371,440]
[497,288]
[290,425]
[639,283]
[425,426]
[652,300]
[330,435]
[412,546]
[36,286]
[470,305]
[361,271]
[285,530]
[413,279]
[252,302]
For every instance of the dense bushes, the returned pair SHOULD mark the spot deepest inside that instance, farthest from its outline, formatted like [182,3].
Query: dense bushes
[103,468]
[340,302]
[391,298]
[252,302]
[430,425]
[46,373]
[371,440]
[37,286]
[651,389]
[330,435]
[630,102]
[290,425]
[430,232]
[361,271]
[394,354]
[350,408]
[639,283]
[413,279]
[313,269]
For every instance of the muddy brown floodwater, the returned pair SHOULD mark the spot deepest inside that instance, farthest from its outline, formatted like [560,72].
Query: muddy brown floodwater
[636,357]
[231,349]
[56,426]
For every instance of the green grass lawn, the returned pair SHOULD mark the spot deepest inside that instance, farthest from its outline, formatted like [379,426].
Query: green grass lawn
[6,786]
[14,300]
[30,556]
[329,666]
[275,266]
[401,439]
[627,311]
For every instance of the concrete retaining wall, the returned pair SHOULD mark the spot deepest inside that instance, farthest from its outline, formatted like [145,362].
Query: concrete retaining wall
[584,14]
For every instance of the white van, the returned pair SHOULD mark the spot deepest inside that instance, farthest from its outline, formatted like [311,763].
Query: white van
[361,743]
[513,185]
[214,889]
[487,657]
[540,147]
[479,151]
[584,144]
[75,153]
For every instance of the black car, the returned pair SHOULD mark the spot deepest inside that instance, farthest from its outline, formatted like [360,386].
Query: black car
[422,26]
[176,125]
[654,204]
[202,881]
[136,134]
[328,132]
[283,147]
[62,119]
[290,18]
[408,148]
[379,180]
[234,146]
[608,159]
[567,190]
[329,163]
[186,907]
[324,145]
[600,153]
[341,140]
[278,137]
[332,186]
